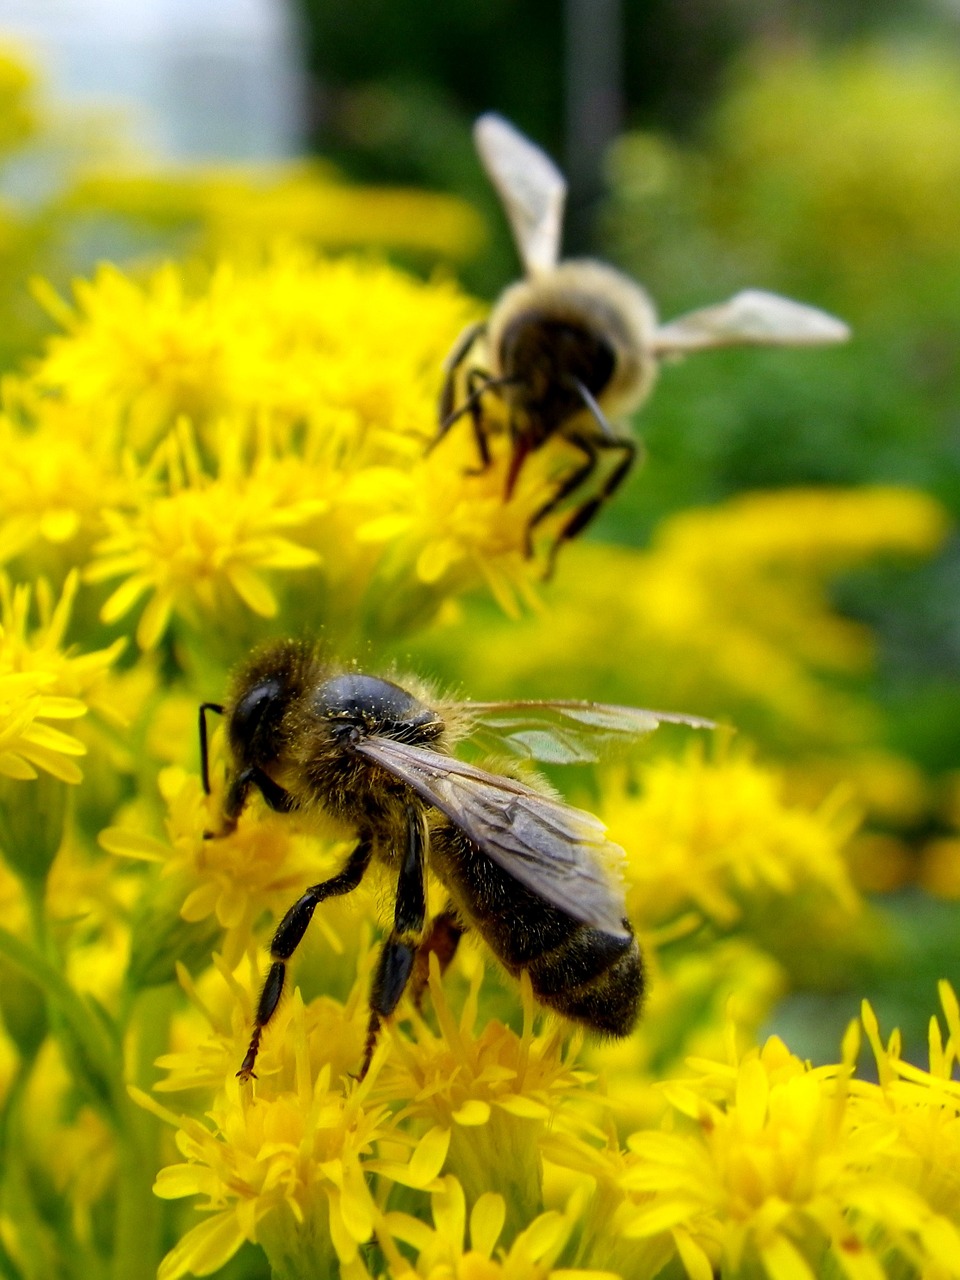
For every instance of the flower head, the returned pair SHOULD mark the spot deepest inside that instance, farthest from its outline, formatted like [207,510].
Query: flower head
[40,680]
[455,1249]
[781,1166]
[494,1092]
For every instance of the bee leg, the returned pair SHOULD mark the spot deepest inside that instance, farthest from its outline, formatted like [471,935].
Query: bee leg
[577,477]
[279,800]
[446,411]
[399,950]
[217,709]
[442,941]
[587,511]
[478,381]
[288,936]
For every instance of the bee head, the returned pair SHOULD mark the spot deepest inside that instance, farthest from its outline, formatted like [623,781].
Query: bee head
[264,689]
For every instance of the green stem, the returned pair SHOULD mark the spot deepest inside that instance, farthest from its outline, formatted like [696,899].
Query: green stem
[136,1245]
[91,1054]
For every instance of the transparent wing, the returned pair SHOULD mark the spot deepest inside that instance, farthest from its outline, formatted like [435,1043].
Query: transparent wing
[566,731]
[532,188]
[751,318]
[560,853]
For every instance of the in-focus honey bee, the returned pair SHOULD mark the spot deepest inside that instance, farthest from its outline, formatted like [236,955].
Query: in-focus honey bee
[577,344]
[537,879]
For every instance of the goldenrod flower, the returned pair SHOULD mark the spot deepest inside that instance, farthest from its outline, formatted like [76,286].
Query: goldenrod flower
[299,335]
[266,863]
[285,1166]
[454,1250]
[692,995]
[727,612]
[41,681]
[783,1168]
[55,482]
[718,838]
[922,1107]
[200,549]
[210,1038]
[496,1093]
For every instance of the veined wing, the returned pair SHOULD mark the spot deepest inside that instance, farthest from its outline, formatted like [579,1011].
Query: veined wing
[566,731]
[560,853]
[751,318]
[532,188]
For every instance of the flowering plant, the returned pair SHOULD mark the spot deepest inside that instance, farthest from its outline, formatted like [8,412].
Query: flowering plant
[202,458]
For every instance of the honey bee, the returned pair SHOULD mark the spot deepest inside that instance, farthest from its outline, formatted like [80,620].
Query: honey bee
[536,879]
[575,344]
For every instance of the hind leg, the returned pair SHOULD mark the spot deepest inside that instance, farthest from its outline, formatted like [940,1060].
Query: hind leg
[442,941]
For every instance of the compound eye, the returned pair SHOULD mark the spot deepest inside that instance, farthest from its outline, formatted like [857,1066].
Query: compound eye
[249,712]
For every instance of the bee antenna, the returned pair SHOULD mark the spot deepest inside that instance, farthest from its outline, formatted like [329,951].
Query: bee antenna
[586,395]
[217,708]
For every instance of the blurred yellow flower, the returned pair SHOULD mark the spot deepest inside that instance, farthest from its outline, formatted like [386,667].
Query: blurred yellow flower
[728,612]
[242,209]
[884,195]
[718,838]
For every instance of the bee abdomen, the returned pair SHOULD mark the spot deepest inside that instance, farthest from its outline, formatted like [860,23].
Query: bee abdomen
[593,978]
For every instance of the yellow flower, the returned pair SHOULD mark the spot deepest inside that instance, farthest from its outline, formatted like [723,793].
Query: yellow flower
[55,481]
[265,864]
[718,838]
[922,1106]
[781,1167]
[243,208]
[726,613]
[443,1254]
[285,1166]
[199,550]
[40,681]
[300,336]
[209,1039]
[496,1093]
[692,996]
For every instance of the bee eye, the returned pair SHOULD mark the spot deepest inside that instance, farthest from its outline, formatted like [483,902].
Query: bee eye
[248,715]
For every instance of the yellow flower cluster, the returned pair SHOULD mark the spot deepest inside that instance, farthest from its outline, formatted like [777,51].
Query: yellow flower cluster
[727,612]
[239,210]
[771,1166]
[234,444]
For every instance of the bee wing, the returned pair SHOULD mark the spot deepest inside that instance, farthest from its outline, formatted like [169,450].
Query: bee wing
[567,731]
[751,318]
[532,188]
[559,853]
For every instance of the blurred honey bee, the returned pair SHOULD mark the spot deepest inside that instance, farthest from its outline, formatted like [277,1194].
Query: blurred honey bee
[536,879]
[575,344]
